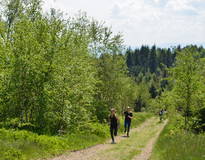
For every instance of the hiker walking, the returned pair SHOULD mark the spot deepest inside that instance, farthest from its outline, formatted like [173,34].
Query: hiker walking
[128,117]
[161,113]
[113,124]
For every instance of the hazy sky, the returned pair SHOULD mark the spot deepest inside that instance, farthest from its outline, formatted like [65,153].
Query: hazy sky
[160,22]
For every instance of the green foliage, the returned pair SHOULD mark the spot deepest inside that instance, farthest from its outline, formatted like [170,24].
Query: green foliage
[115,88]
[188,84]
[184,100]
[19,145]
[165,101]
[101,130]
[198,123]
[12,154]
[15,123]
[142,98]
[56,73]
[185,90]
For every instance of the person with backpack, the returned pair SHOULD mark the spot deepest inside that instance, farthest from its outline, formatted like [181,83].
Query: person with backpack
[114,121]
[128,118]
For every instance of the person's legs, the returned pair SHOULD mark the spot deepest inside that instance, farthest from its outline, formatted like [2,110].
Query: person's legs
[125,125]
[128,128]
[112,134]
[115,131]
[160,118]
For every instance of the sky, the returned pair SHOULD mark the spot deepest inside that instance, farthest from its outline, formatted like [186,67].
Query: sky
[164,23]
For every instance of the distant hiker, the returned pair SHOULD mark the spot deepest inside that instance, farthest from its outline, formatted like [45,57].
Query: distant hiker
[113,124]
[161,113]
[128,117]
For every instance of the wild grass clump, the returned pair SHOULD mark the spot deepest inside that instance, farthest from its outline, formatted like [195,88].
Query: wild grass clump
[176,144]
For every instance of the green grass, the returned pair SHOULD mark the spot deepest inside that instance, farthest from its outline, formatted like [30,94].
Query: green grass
[24,145]
[174,144]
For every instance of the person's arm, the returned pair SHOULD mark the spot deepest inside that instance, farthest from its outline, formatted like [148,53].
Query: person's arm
[130,116]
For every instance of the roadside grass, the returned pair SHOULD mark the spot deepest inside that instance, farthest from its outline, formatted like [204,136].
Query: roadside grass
[174,144]
[24,145]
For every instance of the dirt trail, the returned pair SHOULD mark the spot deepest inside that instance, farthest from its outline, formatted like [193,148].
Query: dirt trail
[140,141]
[147,151]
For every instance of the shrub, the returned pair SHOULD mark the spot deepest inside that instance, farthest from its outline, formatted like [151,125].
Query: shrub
[13,154]
[101,130]
[199,123]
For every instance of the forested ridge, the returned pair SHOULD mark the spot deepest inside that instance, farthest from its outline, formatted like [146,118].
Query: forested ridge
[62,76]
[152,67]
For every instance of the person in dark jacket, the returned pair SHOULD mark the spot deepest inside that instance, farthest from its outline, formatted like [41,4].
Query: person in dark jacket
[128,118]
[113,124]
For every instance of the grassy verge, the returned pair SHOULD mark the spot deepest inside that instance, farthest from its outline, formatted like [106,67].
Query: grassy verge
[24,145]
[174,144]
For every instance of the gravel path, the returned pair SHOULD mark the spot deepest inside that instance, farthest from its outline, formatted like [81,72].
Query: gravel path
[100,152]
[147,151]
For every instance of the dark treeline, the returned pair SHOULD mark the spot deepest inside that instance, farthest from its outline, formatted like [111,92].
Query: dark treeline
[154,59]
[151,63]
[151,60]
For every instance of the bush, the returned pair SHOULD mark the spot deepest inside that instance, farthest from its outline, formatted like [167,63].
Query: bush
[15,123]
[101,130]
[25,144]
[13,154]
[199,123]
[10,123]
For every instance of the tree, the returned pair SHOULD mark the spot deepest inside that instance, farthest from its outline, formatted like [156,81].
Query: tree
[142,97]
[153,60]
[56,72]
[188,82]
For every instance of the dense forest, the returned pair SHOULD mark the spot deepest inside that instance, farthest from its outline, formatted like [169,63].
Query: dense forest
[62,76]
[154,68]
[58,74]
